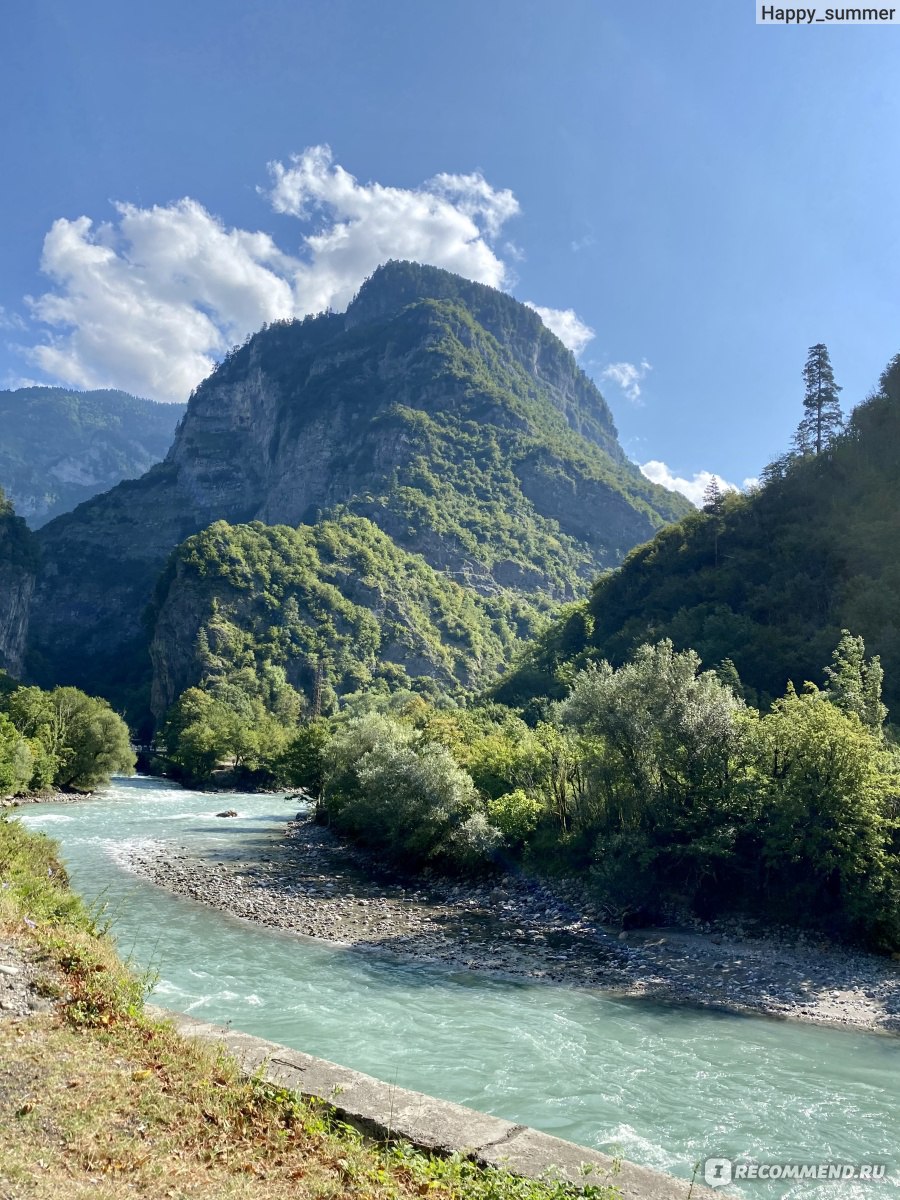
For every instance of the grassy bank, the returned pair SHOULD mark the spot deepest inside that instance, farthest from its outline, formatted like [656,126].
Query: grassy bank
[98,1100]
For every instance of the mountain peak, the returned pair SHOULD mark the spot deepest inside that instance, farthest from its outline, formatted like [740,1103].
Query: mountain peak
[399,282]
[438,409]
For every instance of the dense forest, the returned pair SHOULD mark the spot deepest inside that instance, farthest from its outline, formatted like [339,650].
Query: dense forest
[337,602]
[766,580]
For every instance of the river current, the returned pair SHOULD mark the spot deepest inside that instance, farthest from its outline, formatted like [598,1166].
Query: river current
[665,1086]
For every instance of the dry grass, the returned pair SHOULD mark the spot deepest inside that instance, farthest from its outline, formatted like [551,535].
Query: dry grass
[137,1111]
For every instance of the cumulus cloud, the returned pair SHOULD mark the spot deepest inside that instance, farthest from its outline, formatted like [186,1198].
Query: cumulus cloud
[149,300]
[628,376]
[566,324]
[448,222]
[693,488]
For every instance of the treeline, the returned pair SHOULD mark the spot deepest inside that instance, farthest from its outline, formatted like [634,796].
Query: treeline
[61,739]
[655,782]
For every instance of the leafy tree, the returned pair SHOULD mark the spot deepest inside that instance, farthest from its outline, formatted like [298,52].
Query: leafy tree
[16,759]
[93,741]
[302,764]
[666,767]
[669,732]
[854,684]
[515,814]
[827,818]
[408,798]
[226,727]
[196,732]
[822,418]
[76,742]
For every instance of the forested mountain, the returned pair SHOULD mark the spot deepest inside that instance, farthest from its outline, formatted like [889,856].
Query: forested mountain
[18,567]
[336,606]
[60,447]
[767,580]
[442,411]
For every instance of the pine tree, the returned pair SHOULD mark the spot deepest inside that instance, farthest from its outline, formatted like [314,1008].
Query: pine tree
[822,417]
[713,505]
[713,496]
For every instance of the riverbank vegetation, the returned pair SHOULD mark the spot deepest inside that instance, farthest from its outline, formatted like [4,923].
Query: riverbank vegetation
[655,782]
[98,1097]
[60,740]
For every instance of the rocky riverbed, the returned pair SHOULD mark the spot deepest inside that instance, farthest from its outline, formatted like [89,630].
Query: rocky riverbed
[313,884]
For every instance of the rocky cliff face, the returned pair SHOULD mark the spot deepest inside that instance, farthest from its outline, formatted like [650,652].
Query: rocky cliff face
[441,410]
[18,566]
[16,587]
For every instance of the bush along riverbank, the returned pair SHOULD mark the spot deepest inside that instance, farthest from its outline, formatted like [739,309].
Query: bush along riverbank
[97,1097]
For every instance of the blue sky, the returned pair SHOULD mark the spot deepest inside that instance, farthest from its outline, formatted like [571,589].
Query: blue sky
[708,196]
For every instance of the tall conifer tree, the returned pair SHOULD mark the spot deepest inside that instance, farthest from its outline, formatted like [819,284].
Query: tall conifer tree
[822,417]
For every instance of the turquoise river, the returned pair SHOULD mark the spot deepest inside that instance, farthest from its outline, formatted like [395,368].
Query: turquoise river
[663,1086]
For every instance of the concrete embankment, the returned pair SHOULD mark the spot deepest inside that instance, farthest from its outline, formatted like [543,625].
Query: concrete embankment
[384,1111]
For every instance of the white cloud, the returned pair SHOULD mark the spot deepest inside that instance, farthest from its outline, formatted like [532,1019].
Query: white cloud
[693,488]
[582,243]
[151,299]
[628,376]
[448,222]
[148,303]
[566,324]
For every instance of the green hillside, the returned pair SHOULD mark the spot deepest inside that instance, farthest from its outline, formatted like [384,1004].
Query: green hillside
[768,581]
[334,605]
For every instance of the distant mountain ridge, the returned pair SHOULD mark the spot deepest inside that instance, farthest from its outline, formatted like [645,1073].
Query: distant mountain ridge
[442,411]
[59,447]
